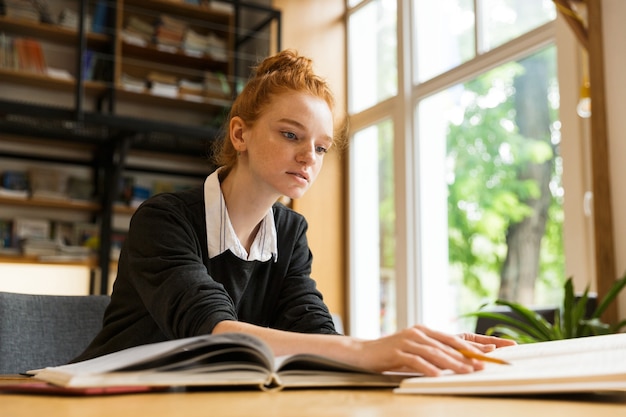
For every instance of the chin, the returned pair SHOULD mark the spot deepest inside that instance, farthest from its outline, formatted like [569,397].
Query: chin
[295,194]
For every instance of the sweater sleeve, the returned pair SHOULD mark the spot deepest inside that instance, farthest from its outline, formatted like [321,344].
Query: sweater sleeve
[301,307]
[165,258]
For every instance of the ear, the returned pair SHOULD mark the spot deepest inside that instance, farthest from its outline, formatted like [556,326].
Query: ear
[237,130]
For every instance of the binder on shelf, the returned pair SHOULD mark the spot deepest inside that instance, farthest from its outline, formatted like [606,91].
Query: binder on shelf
[99,19]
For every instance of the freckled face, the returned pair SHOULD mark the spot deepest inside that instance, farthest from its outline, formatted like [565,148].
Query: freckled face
[285,147]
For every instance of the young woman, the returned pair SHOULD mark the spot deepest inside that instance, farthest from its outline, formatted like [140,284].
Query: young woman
[227,257]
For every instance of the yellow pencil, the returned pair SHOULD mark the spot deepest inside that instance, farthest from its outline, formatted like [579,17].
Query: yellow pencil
[474,355]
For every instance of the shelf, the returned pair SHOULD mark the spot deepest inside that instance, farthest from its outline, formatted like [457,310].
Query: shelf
[182,9]
[51,33]
[208,104]
[45,81]
[110,124]
[90,262]
[154,53]
[77,205]
[122,209]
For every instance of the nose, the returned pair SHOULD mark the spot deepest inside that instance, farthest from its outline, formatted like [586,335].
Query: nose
[306,154]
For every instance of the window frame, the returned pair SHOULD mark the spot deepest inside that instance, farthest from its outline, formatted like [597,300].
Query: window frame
[400,109]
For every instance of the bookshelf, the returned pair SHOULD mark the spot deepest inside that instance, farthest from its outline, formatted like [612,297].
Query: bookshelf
[81,99]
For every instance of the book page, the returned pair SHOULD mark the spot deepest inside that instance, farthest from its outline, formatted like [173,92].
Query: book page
[586,363]
[152,356]
[307,370]
[560,347]
[301,362]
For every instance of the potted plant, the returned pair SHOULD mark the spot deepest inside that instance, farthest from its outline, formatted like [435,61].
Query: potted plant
[570,320]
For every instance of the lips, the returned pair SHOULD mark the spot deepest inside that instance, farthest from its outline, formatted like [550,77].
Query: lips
[302,175]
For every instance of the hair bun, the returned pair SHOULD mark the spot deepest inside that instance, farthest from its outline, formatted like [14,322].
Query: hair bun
[287,60]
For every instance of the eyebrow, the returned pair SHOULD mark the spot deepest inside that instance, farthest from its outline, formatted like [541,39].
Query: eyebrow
[301,126]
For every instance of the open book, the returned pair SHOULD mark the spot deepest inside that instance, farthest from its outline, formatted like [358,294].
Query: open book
[224,360]
[589,364]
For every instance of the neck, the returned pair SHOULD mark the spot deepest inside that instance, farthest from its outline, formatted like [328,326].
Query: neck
[246,205]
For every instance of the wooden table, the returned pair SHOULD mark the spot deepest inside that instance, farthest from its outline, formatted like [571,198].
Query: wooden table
[304,403]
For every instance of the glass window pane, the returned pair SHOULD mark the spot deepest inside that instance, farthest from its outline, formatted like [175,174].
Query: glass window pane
[443,35]
[503,20]
[372,60]
[490,192]
[372,227]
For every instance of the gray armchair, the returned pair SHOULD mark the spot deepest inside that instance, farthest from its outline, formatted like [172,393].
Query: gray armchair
[46,330]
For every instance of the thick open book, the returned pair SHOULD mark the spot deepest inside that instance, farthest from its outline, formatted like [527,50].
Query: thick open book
[589,364]
[225,360]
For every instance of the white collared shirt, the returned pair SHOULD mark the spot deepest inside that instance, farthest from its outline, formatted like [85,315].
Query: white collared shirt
[221,235]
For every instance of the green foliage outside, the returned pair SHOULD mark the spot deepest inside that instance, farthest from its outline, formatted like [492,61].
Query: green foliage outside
[486,154]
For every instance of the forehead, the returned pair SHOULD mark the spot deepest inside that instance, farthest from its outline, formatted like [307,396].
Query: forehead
[306,109]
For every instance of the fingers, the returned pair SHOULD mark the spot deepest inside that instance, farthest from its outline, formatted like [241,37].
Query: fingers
[430,352]
[424,350]
[487,343]
[433,360]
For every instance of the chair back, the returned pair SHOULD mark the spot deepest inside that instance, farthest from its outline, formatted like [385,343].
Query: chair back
[46,330]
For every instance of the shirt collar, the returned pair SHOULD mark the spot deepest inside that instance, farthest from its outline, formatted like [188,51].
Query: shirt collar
[221,235]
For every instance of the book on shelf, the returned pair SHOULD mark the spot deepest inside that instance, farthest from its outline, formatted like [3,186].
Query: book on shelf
[224,360]
[20,10]
[24,54]
[160,77]
[14,184]
[162,84]
[138,31]
[35,56]
[48,183]
[169,31]
[588,364]
[70,20]
[17,194]
[192,90]
[216,84]
[197,44]
[89,64]
[219,6]
[39,247]
[99,19]
[6,235]
[130,83]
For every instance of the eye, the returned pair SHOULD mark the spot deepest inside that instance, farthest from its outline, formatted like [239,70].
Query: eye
[289,135]
[321,149]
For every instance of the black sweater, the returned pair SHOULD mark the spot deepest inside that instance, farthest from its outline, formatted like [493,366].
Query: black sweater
[168,288]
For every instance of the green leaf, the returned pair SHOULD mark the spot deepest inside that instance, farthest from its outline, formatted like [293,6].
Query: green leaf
[506,332]
[580,326]
[608,298]
[616,328]
[568,301]
[557,327]
[596,327]
[521,325]
[510,322]
[534,321]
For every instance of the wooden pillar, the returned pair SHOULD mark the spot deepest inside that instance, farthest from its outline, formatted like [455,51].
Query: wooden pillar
[602,207]
[589,35]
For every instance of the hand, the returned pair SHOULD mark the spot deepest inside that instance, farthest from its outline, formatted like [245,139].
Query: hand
[421,349]
[486,343]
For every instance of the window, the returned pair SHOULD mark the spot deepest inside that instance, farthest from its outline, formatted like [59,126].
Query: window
[372,66]
[455,169]
[489,167]
[373,229]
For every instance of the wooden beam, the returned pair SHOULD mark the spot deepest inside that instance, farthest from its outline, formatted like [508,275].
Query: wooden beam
[590,37]
[574,21]
[602,207]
